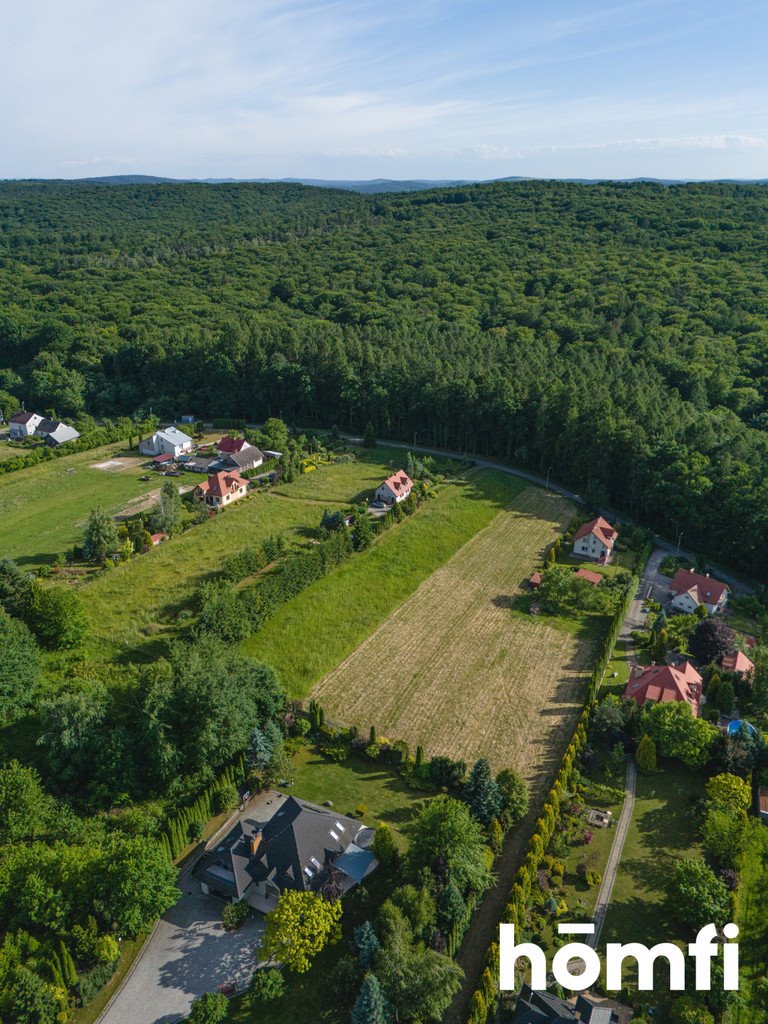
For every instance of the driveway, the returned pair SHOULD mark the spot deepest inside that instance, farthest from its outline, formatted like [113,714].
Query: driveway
[188,954]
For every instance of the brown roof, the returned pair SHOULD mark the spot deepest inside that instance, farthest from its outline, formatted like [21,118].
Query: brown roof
[665,683]
[738,662]
[591,577]
[762,796]
[702,589]
[220,484]
[536,579]
[232,444]
[22,417]
[399,482]
[601,528]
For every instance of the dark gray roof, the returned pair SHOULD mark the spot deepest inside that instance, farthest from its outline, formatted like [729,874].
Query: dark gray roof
[245,459]
[542,1008]
[296,847]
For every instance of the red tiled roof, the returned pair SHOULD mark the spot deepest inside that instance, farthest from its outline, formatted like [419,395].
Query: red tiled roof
[232,444]
[157,537]
[166,457]
[399,482]
[762,796]
[601,528]
[703,589]
[536,579]
[591,577]
[220,484]
[663,683]
[738,662]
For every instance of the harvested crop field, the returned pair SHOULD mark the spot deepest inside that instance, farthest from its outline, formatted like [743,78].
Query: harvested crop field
[455,670]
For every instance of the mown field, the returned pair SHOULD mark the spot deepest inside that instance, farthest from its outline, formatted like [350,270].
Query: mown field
[454,670]
[315,631]
[43,509]
[752,918]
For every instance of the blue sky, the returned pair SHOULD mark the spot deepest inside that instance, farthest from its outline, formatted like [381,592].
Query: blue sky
[357,89]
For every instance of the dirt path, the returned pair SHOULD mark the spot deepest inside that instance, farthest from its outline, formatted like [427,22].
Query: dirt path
[614,858]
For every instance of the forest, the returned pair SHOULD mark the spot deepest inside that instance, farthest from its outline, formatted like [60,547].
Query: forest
[615,333]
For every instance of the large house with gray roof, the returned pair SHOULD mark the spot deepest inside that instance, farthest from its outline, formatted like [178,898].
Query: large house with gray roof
[170,441]
[300,847]
[542,1008]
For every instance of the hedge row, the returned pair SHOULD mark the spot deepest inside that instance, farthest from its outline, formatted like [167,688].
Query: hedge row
[94,439]
[175,837]
[485,998]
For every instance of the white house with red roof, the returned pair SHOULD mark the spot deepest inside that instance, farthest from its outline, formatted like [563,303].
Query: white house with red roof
[690,589]
[661,684]
[222,489]
[230,445]
[23,424]
[395,488]
[739,663]
[595,540]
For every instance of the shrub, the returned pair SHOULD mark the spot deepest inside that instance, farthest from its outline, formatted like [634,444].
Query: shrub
[361,810]
[92,982]
[593,878]
[267,984]
[234,915]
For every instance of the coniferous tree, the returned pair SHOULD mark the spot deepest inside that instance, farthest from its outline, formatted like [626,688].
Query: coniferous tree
[482,793]
[370,1006]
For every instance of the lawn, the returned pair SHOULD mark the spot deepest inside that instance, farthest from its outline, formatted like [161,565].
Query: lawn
[452,668]
[663,829]
[314,632]
[312,997]
[43,509]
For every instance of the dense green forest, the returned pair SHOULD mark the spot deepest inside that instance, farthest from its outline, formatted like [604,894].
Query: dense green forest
[615,332]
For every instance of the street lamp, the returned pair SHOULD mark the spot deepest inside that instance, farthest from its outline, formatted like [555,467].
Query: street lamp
[680,537]
[549,470]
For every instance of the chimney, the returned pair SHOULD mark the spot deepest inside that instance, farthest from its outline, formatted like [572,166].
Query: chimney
[255,843]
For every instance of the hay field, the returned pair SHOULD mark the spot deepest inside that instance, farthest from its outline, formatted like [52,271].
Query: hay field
[452,668]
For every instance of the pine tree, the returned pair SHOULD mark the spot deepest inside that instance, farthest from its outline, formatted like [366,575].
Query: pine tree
[372,736]
[366,944]
[369,437]
[370,1007]
[482,793]
[646,755]
[419,757]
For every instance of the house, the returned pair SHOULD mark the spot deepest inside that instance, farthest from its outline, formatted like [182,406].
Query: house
[298,848]
[739,663]
[664,683]
[535,1007]
[158,538]
[690,589]
[762,804]
[248,458]
[228,445]
[222,488]
[395,488]
[170,441]
[595,540]
[54,433]
[23,424]
[591,577]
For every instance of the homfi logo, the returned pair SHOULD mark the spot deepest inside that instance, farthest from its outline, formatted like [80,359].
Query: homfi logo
[703,951]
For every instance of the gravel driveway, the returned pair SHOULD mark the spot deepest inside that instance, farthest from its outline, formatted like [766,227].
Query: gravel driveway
[189,953]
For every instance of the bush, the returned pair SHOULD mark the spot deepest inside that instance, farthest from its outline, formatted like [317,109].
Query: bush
[593,878]
[225,797]
[267,984]
[92,982]
[234,915]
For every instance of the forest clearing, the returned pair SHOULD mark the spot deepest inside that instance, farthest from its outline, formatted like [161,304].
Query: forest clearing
[454,670]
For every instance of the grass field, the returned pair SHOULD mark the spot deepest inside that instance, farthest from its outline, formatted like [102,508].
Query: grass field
[43,509]
[454,670]
[663,828]
[148,595]
[313,633]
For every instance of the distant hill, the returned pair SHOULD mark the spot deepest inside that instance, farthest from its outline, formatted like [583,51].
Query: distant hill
[378,185]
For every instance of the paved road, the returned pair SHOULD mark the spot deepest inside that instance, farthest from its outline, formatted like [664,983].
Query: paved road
[614,858]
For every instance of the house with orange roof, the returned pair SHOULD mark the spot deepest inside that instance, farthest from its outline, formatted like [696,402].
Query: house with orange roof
[661,684]
[222,489]
[690,589]
[395,488]
[595,540]
[739,663]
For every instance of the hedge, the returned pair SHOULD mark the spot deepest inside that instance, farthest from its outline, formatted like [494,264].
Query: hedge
[175,837]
